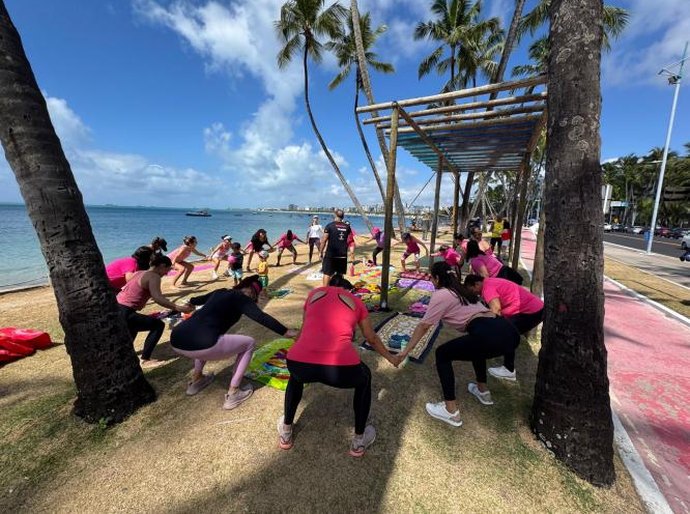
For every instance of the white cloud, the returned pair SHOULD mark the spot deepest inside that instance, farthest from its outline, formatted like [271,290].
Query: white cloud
[68,125]
[654,38]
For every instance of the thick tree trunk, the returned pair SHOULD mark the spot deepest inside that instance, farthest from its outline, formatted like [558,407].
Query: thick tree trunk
[325,149]
[364,142]
[368,91]
[571,414]
[106,371]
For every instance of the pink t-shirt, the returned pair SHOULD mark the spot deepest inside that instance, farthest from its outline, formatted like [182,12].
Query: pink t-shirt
[445,306]
[514,299]
[329,324]
[492,264]
[412,246]
[133,295]
[285,242]
[451,257]
[117,270]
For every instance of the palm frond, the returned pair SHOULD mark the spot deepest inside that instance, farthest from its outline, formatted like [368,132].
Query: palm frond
[430,62]
[286,54]
[340,77]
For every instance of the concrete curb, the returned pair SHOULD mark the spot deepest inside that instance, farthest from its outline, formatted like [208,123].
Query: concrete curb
[652,497]
[679,317]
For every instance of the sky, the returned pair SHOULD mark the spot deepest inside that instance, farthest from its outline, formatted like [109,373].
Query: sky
[180,103]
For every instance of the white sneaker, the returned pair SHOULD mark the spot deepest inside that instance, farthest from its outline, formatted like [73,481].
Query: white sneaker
[214,275]
[360,443]
[502,373]
[484,398]
[439,411]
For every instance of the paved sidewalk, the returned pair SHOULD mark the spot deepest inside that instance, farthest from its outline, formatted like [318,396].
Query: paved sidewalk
[670,268]
[649,373]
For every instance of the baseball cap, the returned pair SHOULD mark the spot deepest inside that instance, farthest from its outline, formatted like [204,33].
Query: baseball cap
[227,238]
[263,254]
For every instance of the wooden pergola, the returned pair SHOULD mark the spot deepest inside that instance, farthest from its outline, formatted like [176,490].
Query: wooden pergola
[496,133]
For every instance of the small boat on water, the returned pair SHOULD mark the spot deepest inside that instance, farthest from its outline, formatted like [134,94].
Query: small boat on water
[202,213]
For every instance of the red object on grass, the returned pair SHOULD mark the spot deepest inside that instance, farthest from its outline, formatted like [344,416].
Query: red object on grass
[27,337]
[15,348]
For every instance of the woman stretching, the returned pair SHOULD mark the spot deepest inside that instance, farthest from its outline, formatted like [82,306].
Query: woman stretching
[220,253]
[324,353]
[412,245]
[121,270]
[133,297]
[285,243]
[178,256]
[487,336]
[488,265]
[257,243]
[203,336]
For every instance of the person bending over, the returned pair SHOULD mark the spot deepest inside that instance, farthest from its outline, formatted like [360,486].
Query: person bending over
[203,336]
[486,336]
[323,353]
[487,265]
[121,270]
[412,245]
[179,256]
[285,242]
[515,303]
[137,291]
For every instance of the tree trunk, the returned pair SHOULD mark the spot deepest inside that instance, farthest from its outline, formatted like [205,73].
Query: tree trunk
[520,214]
[571,413]
[106,371]
[366,85]
[466,200]
[510,41]
[537,286]
[364,141]
[456,204]
[342,178]
[483,184]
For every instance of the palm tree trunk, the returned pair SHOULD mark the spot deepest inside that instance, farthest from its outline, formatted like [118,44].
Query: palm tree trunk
[366,85]
[483,184]
[342,178]
[364,141]
[571,413]
[537,285]
[510,41]
[456,204]
[520,214]
[466,199]
[106,371]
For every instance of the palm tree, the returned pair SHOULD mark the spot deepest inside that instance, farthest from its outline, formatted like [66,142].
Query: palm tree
[301,24]
[110,383]
[483,43]
[539,55]
[571,413]
[345,50]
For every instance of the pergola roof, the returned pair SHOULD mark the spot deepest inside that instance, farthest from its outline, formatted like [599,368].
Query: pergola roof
[493,134]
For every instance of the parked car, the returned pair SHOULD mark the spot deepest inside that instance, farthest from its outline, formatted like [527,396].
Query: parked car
[637,229]
[607,227]
[677,233]
[662,232]
[617,227]
[685,242]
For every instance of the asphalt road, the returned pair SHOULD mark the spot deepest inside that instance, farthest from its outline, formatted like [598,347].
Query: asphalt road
[661,245]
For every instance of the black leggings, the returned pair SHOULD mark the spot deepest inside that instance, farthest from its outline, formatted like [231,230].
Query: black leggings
[313,242]
[342,377]
[140,323]
[486,338]
[377,251]
[526,322]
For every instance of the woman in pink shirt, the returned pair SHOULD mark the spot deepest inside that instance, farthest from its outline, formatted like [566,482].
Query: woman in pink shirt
[323,353]
[488,265]
[121,270]
[412,245]
[285,243]
[486,336]
[143,286]
[451,257]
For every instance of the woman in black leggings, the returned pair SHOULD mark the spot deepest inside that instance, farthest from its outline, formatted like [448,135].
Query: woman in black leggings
[487,336]
[323,353]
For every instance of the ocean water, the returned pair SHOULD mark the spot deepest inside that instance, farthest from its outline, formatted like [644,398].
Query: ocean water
[120,230]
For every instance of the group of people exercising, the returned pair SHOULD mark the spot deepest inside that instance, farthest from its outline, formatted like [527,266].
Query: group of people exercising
[490,313]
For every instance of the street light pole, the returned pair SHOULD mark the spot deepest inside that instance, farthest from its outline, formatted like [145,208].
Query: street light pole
[677,80]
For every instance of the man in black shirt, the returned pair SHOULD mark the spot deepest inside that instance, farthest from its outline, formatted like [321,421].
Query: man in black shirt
[334,242]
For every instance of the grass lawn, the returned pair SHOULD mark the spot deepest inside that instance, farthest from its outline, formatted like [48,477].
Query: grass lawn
[185,454]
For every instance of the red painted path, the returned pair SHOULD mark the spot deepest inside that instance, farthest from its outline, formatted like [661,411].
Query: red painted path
[649,373]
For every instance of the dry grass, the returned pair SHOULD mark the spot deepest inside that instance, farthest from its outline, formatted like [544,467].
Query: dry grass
[186,454]
[666,293]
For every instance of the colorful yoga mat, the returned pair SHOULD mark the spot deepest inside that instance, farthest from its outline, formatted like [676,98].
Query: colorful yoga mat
[395,332]
[268,365]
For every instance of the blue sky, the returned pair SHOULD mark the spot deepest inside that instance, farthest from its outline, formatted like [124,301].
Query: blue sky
[180,103]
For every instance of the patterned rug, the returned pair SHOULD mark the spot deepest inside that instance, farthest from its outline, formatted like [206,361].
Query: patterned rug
[424,285]
[268,364]
[395,332]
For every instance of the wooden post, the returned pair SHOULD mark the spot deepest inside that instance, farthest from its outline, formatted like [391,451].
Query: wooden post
[434,222]
[520,211]
[388,222]
[456,204]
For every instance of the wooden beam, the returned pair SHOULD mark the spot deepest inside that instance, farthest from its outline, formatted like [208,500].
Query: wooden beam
[388,219]
[434,220]
[428,141]
[463,93]
[540,107]
[466,107]
[463,126]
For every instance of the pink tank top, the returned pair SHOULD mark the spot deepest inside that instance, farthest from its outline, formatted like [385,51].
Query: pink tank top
[133,295]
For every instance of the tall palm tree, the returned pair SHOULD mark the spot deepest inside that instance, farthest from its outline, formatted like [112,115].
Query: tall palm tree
[477,56]
[571,412]
[539,55]
[345,49]
[110,383]
[301,24]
